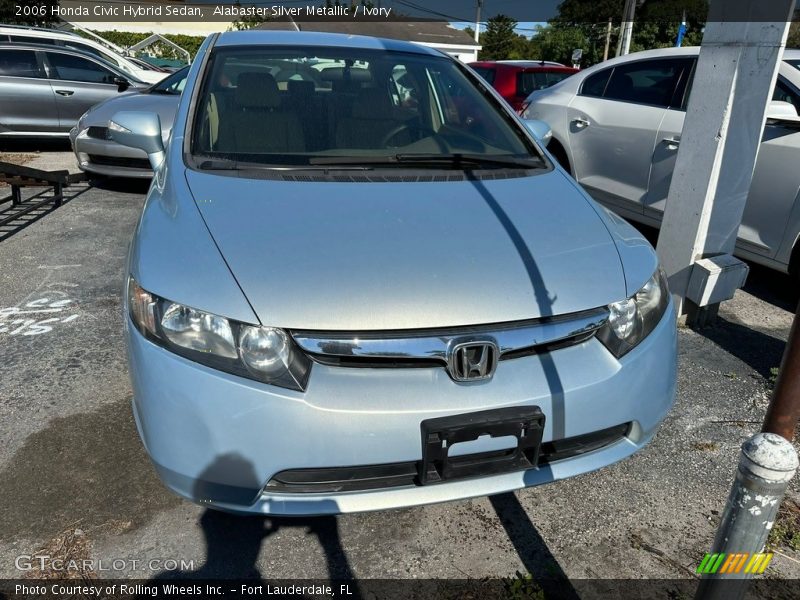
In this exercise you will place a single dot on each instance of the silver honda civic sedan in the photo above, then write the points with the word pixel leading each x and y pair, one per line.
pixel 347 296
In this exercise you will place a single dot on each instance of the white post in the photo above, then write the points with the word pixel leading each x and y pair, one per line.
pixel 734 77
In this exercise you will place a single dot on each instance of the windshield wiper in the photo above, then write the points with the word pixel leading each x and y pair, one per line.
pixel 465 161
pixel 473 160
pixel 227 164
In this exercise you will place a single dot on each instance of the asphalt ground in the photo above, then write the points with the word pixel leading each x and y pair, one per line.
pixel 75 479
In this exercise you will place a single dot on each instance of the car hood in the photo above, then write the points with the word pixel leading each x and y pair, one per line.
pixel 164 105
pixel 357 256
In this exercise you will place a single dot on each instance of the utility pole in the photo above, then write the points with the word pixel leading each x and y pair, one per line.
pixel 608 40
pixel 478 20
pixel 626 28
pixel 717 152
pixel 784 409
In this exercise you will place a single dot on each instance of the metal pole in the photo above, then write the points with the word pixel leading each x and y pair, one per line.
pixel 766 465
pixel 478 20
pixel 608 40
pixel 783 412
pixel 626 45
pixel 622 25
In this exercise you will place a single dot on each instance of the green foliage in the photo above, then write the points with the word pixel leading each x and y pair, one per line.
pixel 523 587
pixel 125 39
pixel 794 35
pixel 247 21
pixel 499 38
pixel 786 529
pixel 584 25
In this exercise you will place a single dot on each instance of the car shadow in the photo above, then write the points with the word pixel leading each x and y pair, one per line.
pixel 234 542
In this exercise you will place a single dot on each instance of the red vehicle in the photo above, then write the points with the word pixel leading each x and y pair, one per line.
pixel 516 79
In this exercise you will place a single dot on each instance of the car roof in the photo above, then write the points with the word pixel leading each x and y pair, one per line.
pixel 523 66
pixel 33 29
pixel 788 54
pixel 73 51
pixel 51 48
pixel 313 38
pixel 529 63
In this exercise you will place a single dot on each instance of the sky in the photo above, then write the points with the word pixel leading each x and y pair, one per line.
pixel 525 28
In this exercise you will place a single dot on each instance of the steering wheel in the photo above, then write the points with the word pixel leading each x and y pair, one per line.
pixel 403 127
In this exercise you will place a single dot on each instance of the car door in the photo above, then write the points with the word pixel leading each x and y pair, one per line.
pixel 772 190
pixel 612 125
pixel 668 141
pixel 79 83
pixel 27 103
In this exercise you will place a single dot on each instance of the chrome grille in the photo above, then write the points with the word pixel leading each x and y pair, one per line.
pixel 424 348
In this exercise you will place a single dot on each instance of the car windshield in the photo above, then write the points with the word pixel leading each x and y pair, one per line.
pixel 281 106
pixel 794 63
pixel 172 85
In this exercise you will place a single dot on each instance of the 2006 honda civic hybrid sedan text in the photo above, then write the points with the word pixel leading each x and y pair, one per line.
pixel 348 295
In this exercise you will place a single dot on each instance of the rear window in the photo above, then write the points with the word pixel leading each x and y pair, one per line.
pixel 487 73
pixel 595 84
pixel 530 81
pixel 786 93
pixel 645 82
pixel 19 63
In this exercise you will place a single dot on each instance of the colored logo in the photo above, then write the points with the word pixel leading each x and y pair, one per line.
pixel 731 563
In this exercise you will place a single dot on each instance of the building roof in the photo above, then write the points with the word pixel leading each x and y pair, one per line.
pixel 427 32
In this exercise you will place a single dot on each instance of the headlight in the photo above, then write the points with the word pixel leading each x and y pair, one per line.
pixel 262 353
pixel 632 320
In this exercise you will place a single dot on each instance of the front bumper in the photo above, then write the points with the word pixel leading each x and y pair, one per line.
pixel 218 439
pixel 108 158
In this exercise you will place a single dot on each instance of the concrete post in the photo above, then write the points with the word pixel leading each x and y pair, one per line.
pixel 733 82
pixel 766 465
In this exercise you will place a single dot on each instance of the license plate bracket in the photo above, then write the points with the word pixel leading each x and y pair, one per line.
pixel 526 423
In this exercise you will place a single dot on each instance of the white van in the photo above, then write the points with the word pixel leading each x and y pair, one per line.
pixel 38 35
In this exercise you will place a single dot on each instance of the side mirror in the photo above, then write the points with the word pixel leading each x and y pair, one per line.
pixel 540 130
pixel 778 109
pixel 140 130
pixel 121 83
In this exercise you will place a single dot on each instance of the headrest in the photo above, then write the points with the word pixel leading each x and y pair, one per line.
pixel 372 103
pixel 346 74
pixel 297 87
pixel 256 89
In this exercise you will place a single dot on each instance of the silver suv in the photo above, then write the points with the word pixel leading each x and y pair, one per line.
pixel 44 90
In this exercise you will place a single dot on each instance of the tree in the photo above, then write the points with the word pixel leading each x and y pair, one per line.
pixel 498 40
pixel 794 35
pixel 583 24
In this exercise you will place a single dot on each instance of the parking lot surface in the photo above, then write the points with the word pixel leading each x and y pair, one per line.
pixel 75 478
